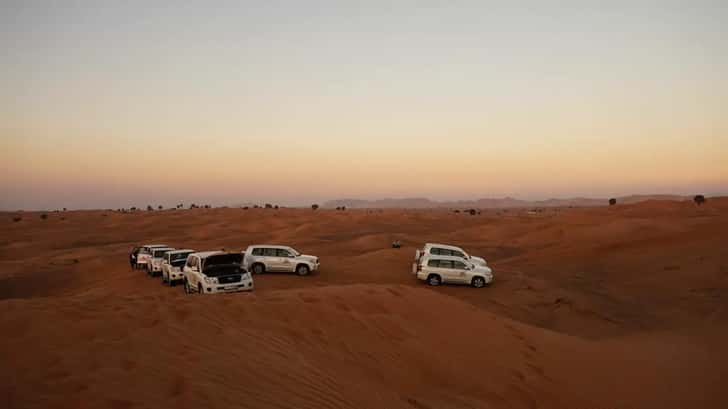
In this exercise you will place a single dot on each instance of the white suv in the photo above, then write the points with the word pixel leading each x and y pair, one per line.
pixel 212 272
pixel 145 252
pixel 172 266
pixel 448 250
pixel 437 269
pixel 154 261
pixel 260 258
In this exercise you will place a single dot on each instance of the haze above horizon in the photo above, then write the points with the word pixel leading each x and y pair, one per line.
pixel 118 104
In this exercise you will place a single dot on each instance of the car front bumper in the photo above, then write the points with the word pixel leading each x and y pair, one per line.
pixel 228 288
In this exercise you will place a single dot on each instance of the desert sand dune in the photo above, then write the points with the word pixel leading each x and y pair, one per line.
pixel 619 307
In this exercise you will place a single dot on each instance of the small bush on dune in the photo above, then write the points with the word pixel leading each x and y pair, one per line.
pixel 268 206
pixel 699 199
pixel 150 208
pixel 612 201
pixel 43 216
pixel 17 219
pixel 245 208
pixel 456 211
pixel 275 207
pixel 314 206
pixel 160 207
pixel 472 212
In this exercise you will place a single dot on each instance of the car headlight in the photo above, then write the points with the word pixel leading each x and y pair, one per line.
pixel 211 280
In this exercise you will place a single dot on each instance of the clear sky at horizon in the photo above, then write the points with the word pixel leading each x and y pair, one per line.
pixel 115 104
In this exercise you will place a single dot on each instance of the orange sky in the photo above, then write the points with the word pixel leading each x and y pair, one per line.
pixel 103 109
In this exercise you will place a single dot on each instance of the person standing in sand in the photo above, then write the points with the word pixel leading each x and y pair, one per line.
pixel 133 257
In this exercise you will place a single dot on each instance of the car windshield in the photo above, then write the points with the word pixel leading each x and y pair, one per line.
pixel 294 251
pixel 160 253
pixel 220 270
pixel 229 258
pixel 178 256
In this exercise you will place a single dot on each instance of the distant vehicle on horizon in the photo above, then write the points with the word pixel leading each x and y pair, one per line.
pixel 211 272
pixel 260 258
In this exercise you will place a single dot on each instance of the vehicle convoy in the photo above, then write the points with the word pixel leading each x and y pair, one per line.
pixel 172 265
pixel 437 269
pixel 212 272
pixel 448 250
pixel 261 258
pixel 145 252
pixel 154 262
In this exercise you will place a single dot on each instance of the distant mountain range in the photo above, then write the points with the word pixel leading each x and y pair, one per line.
pixel 493 203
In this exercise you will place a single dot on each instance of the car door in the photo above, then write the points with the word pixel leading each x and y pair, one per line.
pixel 271 260
pixel 446 271
pixel 285 260
pixel 194 268
pixel 459 272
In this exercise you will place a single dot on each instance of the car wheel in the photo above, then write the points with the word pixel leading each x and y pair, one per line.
pixel 258 268
pixel 302 270
pixel 172 283
pixel 199 289
pixel 478 282
pixel 434 279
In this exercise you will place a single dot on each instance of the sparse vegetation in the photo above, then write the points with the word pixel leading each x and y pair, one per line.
pixel 314 206
pixel 17 219
pixel 245 207
pixel 268 206
pixel 43 216
pixel 64 209
pixel 472 212
pixel 275 207
pixel 612 201
pixel 456 210
pixel 160 207
pixel 150 208
pixel 699 199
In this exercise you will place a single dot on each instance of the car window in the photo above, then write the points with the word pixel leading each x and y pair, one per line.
pixel 269 252
pixel 283 253
pixel 458 253
pixel 445 264
pixel 433 263
pixel 436 251
pixel 458 265
pixel 258 251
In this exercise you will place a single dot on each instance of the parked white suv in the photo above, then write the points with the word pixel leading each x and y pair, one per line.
pixel 448 250
pixel 154 262
pixel 145 252
pixel 436 269
pixel 260 258
pixel 172 265
pixel 212 272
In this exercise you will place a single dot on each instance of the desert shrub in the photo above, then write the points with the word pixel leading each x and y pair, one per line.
pixel 64 209
pixel 456 210
pixel 268 206
pixel 612 201
pixel 208 206
pixel 275 207
pixel 472 212
pixel 133 208
pixel 160 207
pixel 699 199
pixel 150 208
pixel 43 216
pixel 343 207
pixel 245 208
pixel 17 219
pixel 314 206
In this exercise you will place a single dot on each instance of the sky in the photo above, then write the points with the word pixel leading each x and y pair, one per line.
pixel 118 104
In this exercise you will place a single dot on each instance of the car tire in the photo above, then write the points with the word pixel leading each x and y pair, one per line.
pixel 478 282
pixel 258 268
pixel 302 270
pixel 199 289
pixel 434 280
